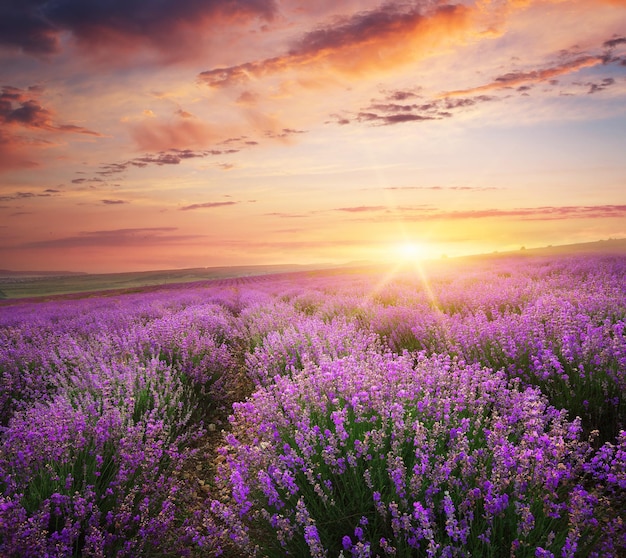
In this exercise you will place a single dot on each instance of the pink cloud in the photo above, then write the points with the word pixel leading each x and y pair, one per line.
pixel 21 108
pixel 514 79
pixel 207 205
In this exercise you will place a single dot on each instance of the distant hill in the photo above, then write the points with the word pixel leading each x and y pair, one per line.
pixel 11 273
pixel 37 284
pixel 610 246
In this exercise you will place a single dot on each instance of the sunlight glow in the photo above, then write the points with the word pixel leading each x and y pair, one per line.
pixel 410 252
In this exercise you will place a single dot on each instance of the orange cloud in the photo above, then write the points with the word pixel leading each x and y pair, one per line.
pixel 376 40
pixel 26 125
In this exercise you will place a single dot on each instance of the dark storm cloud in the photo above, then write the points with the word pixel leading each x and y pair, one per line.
pixel 34 26
pixel 23 26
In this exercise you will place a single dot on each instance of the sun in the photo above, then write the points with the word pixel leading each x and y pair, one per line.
pixel 409 252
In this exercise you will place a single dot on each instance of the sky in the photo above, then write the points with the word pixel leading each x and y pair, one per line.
pixel 143 134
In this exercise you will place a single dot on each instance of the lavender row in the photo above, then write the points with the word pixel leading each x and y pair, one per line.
pixel 102 401
pixel 387 457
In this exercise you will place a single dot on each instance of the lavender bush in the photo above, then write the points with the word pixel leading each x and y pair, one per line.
pixel 381 457
pixel 309 340
pixel 94 470
pixel 94 447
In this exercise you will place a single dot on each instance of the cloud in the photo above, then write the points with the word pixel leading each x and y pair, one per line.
pixel 402 106
pixel 514 79
pixel 28 195
pixel 362 208
pixel 173 157
pixel 387 119
pixel 548 213
pixel 20 108
pixel 139 237
pixel 400 95
pixel 207 205
pixel 282 215
pixel 36 26
pixel 86 180
pixel 242 141
pixel 461 188
pixel 612 43
pixel 391 35
pixel 600 86
pixel 23 121
pixel 113 202
pixel 385 112
pixel 17 196
pixel 284 133
pixel 169 157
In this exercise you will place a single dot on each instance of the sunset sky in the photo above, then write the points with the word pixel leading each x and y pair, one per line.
pixel 144 134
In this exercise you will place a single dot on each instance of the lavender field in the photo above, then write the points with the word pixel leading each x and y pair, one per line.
pixel 463 409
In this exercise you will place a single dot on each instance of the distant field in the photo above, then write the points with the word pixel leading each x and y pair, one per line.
pixel 17 286
pixel 20 286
